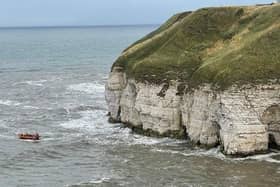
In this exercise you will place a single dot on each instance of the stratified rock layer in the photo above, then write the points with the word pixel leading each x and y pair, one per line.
pixel 241 120
pixel 116 86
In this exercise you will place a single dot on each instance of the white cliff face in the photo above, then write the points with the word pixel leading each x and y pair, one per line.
pixel 129 114
pixel 159 109
pixel 200 116
pixel 243 129
pixel 142 106
pixel 114 89
pixel 241 120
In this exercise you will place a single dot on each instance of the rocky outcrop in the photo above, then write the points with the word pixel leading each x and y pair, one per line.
pixel 243 120
pixel 159 109
pixel 143 106
pixel 200 110
pixel 114 89
pixel 212 75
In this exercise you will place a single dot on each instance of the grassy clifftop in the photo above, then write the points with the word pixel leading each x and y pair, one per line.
pixel 221 46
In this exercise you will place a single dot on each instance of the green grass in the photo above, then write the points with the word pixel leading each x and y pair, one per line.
pixel 220 46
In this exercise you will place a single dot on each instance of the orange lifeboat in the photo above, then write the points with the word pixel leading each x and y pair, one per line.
pixel 26 136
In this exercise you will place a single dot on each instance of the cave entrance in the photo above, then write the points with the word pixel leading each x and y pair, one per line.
pixel 271 117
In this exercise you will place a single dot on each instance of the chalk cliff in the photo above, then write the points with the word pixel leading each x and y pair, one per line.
pixel 210 75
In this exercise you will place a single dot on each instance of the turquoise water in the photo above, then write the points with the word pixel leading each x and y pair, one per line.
pixel 52 82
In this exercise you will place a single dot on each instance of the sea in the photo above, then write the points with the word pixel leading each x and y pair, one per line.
pixel 52 82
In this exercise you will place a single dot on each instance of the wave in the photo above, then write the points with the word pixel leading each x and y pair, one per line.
pixel 9 103
pixel 262 157
pixel 82 108
pixel 15 70
pixel 39 154
pixel 95 125
pixel 93 182
pixel 36 83
pixel 31 107
pixel 86 122
pixel 90 88
pixel 99 181
pixel 216 153
pixel 33 82
pixel 29 70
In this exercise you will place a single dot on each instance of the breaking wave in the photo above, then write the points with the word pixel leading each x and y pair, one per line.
pixel 216 153
pixel 36 83
pixel 33 82
pixel 9 103
pixel 263 157
pixel 31 107
pixel 90 88
pixel 93 182
pixel 94 123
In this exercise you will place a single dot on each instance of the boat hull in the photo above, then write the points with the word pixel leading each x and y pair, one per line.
pixel 28 137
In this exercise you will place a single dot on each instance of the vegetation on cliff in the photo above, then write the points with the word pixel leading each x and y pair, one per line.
pixel 220 46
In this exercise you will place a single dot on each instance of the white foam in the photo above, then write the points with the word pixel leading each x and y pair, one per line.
pixel 87 122
pixel 199 152
pixel 216 153
pixel 34 83
pixel 9 103
pixel 90 88
pixel 99 181
pixel 92 182
pixel 146 140
pixel 262 157
pixel 95 124
pixel 31 107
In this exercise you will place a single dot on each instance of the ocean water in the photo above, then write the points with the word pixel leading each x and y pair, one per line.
pixel 52 82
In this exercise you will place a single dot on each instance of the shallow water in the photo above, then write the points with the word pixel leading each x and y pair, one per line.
pixel 52 82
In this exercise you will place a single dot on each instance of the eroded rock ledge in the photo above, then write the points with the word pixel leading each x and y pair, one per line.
pixel 243 120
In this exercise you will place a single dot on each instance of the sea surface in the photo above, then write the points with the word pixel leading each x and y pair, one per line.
pixel 52 82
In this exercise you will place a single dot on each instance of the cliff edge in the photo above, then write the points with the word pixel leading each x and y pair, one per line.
pixel 211 75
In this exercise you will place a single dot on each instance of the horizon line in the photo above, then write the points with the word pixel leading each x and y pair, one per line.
pixel 76 26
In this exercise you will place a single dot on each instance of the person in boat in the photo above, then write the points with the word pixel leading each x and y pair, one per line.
pixel 37 136
pixel 27 136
